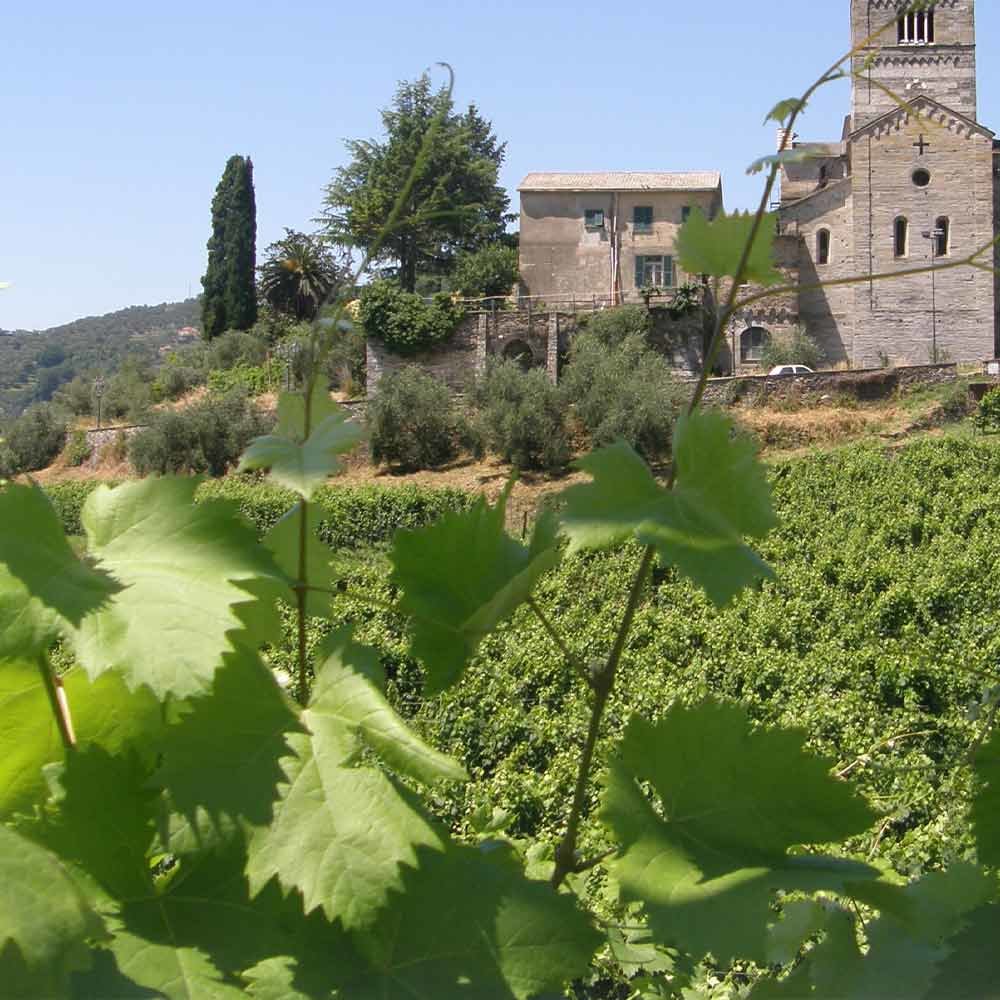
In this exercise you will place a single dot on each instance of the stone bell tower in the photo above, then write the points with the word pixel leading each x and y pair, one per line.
pixel 931 53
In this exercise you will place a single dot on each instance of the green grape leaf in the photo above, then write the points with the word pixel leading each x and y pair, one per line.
pixel 211 765
pixel 800 920
pixel 986 806
pixel 104 713
pixel 303 463
pixel 734 801
pixel 717 247
pixel 466 925
pixel 42 582
pixel 970 970
pixel 181 565
pixel 784 110
pixel 781 159
pixel 721 495
pixel 45 921
pixel 342 830
pixel 460 578
pixel 283 542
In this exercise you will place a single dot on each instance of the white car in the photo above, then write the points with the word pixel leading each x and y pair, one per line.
pixel 790 370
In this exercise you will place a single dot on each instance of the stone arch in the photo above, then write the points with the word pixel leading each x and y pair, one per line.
pixel 753 340
pixel 520 352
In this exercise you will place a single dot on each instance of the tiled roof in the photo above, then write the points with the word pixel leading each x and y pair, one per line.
pixel 703 180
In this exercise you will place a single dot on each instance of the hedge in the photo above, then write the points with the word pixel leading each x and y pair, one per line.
pixel 353 516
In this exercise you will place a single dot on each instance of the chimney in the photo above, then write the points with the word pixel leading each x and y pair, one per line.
pixel 782 133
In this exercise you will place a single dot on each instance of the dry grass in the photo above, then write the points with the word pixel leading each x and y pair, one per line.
pixel 819 426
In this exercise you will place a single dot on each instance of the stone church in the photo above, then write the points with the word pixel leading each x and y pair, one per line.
pixel 913 181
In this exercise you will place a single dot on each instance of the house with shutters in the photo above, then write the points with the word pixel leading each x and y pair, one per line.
pixel 605 237
pixel 912 184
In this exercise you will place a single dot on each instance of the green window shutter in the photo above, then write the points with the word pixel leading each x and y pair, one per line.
pixel 668 271
pixel 640 271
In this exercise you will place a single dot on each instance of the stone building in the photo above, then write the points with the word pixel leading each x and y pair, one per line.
pixel 602 237
pixel 913 181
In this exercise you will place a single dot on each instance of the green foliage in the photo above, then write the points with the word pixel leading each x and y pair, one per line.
pixel 481 577
pixel 404 321
pixel 32 441
pixel 302 452
pixel 446 165
pixel 612 327
pixel 619 388
pixel 988 414
pixel 490 270
pixel 413 421
pixel 77 449
pixel 252 379
pixel 716 247
pixel 206 436
pixel 796 348
pixel 230 295
pixel 520 416
pixel 346 362
pixel 298 274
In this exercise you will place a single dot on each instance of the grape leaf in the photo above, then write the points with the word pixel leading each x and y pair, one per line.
pixel 222 769
pixel 303 465
pixel 181 565
pixel 717 247
pixel 104 712
pixel 721 495
pixel 970 971
pixel 986 806
pixel 466 925
pixel 734 802
pixel 784 110
pixel 42 582
pixel 45 921
pixel 341 830
pixel 283 542
pixel 460 578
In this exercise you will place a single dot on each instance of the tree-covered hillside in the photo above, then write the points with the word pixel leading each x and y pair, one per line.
pixel 34 364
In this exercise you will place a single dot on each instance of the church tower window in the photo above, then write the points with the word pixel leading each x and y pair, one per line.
pixel 916 28
pixel 901 237
pixel 942 237
pixel 823 246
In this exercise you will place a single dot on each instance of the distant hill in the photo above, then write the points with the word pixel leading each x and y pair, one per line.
pixel 33 365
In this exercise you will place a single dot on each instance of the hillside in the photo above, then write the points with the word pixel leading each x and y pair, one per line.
pixel 34 364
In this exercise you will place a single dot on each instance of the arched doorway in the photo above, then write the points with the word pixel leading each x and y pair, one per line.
pixel 520 352
pixel 753 340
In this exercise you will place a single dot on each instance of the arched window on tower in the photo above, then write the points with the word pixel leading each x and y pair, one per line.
pixel 752 343
pixel 942 237
pixel 823 246
pixel 916 28
pixel 901 237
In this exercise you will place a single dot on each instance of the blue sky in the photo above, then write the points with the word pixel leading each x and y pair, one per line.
pixel 118 117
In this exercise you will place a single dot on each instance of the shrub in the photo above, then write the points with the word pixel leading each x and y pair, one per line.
pixel 988 414
pixel 128 394
pixel 237 347
pixel 404 322
pixel 623 391
pixel 77 396
pixel 612 326
pixel 175 379
pixel 346 361
pixel 413 421
pixel 795 348
pixel 77 449
pixel 521 416
pixel 253 379
pixel 491 270
pixel 32 441
pixel 208 436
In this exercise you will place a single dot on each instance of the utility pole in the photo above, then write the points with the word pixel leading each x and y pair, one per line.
pixel 933 235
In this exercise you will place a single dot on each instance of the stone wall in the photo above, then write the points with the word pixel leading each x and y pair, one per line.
pixel 98 440
pixel 875 383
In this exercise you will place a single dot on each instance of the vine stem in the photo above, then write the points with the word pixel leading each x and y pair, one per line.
pixel 603 683
pixel 58 701
pixel 303 587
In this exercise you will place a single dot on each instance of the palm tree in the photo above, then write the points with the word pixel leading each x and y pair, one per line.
pixel 298 274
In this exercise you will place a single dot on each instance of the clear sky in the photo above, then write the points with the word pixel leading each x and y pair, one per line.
pixel 117 118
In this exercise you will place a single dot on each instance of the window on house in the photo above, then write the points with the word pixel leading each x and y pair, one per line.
pixel 942 237
pixel 916 28
pixel 685 213
pixel 752 343
pixel 824 175
pixel 823 246
pixel 642 218
pixel 594 218
pixel 654 272
pixel 901 237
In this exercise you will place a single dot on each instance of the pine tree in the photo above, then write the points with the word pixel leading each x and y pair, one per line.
pixel 230 299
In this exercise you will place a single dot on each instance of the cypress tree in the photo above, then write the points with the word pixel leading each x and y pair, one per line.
pixel 230 298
